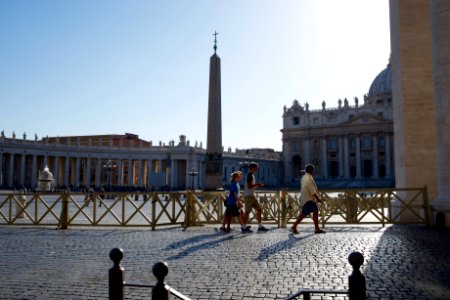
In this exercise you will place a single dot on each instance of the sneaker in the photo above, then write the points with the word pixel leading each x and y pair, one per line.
pixel 294 230
pixel 222 229
pixel 262 228
pixel 246 230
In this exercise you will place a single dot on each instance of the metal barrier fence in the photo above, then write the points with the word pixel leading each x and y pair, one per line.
pixel 380 206
pixel 356 283
pixel 160 291
pixel 117 284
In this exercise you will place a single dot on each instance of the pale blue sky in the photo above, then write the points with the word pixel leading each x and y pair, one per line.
pixel 91 67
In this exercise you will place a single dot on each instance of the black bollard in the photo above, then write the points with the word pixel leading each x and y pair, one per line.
pixel 159 292
pixel 116 283
pixel 356 281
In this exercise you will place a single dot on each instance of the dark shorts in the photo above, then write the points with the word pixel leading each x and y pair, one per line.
pixel 309 207
pixel 232 210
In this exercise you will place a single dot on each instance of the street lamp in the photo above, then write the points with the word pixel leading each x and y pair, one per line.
pixel 193 173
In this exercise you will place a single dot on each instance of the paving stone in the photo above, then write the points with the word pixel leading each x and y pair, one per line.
pixel 401 262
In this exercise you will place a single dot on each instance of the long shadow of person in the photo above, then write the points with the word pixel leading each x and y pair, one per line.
pixel 280 246
pixel 201 246
pixel 188 241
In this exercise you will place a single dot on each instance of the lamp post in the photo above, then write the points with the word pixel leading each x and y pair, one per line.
pixel 193 173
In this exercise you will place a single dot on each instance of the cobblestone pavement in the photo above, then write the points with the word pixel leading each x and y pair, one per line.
pixel 402 262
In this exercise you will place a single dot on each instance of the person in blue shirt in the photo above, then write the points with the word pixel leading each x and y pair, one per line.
pixel 233 202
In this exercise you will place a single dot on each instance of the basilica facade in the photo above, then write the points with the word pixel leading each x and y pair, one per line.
pixel 350 145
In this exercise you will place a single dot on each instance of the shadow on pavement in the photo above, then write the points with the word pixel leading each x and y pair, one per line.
pixel 202 246
pixel 188 241
pixel 265 253
pixel 409 262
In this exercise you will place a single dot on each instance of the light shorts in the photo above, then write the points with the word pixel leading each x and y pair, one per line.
pixel 250 203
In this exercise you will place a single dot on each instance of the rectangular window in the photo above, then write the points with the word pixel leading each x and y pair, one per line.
pixel 295 147
pixel 296 120
pixel 367 144
pixel 332 144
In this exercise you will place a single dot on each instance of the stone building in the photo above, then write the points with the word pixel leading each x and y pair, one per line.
pixel 351 145
pixel 118 162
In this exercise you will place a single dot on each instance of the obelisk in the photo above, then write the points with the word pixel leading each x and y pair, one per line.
pixel 213 160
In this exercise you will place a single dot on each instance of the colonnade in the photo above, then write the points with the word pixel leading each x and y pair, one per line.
pixel 342 156
pixel 379 154
pixel 21 170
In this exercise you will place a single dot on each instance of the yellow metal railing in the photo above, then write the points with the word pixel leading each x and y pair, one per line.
pixel 378 206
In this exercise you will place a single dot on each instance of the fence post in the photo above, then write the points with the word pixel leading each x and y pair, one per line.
pixel 283 223
pixel 64 217
pixel 356 281
pixel 159 292
pixel 154 198
pixel 426 206
pixel 189 217
pixel 116 283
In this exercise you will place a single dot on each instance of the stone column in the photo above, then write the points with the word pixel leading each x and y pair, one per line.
pixel 341 156
pixel 376 174
pixel 188 169
pixel 119 172
pixel 172 173
pixel 140 173
pixel 306 152
pixel 11 170
pixel 287 160
pixel 130 172
pixel 66 171
pixel 346 162
pixel 412 91
pixel 387 155
pixel 98 173
pixel 77 172
pixel 33 171
pixel 358 156
pixel 22 170
pixel 1 170
pixel 149 170
pixel 199 179
pixel 56 171
pixel 440 24
pixel 88 172
pixel 324 157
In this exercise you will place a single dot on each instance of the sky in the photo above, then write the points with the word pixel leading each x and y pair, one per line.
pixel 91 67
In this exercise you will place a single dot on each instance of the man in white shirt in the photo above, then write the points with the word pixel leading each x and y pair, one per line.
pixel 308 195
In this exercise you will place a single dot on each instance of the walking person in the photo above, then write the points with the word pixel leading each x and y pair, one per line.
pixel 250 200
pixel 234 203
pixel 222 228
pixel 308 193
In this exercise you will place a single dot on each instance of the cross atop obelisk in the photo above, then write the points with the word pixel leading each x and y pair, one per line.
pixel 213 160
pixel 215 40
